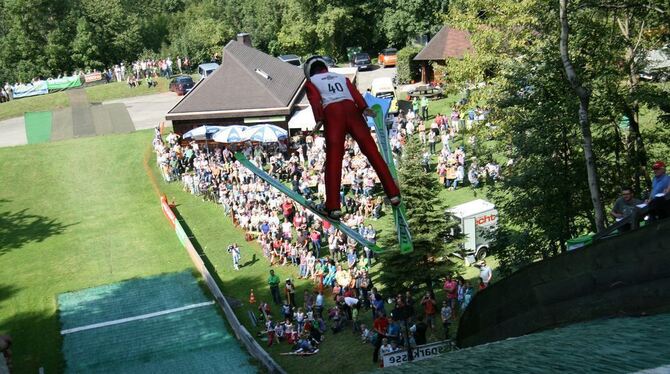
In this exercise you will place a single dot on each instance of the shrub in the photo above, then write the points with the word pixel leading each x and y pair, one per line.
pixel 408 69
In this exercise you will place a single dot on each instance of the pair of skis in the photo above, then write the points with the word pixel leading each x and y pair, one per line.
pixel 402 229
pixel 399 213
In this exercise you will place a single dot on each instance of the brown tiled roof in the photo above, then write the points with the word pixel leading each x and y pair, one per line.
pixel 239 87
pixel 446 43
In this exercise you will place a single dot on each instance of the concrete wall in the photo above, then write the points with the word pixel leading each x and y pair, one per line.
pixel 626 275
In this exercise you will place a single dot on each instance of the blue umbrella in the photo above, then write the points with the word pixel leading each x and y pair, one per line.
pixel 266 133
pixel 231 134
pixel 202 133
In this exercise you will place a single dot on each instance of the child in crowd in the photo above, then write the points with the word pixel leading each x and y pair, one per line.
pixel 446 314
pixel 366 334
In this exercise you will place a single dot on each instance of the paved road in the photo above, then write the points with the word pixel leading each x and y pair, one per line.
pixel 364 78
pixel 145 111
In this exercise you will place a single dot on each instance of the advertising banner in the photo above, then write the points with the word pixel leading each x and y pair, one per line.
pixel 30 89
pixel 169 214
pixel 63 83
pixel 421 352
pixel 181 235
pixel 93 77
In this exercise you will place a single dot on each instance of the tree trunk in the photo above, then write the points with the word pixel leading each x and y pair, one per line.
pixel 632 109
pixel 584 98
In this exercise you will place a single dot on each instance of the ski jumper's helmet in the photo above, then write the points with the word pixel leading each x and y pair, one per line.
pixel 313 62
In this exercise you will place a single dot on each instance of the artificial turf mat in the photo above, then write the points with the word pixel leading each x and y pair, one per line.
pixel 38 127
pixel 187 341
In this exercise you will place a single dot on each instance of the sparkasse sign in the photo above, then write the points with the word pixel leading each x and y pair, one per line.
pixel 421 352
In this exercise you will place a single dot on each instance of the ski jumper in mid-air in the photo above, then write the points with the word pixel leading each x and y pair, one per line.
pixel 338 104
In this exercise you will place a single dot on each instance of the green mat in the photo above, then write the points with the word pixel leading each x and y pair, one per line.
pixel 186 341
pixel 38 127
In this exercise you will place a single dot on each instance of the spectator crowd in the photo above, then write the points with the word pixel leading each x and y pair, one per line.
pixel 291 236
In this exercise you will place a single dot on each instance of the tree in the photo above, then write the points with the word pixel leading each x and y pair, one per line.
pixel 430 261
pixel 584 96
pixel 544 198
pixel 85 53
pixel 405 20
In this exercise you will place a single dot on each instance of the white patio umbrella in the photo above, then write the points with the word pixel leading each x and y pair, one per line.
pixel 266 133
pixel 202 133
pixel 231 134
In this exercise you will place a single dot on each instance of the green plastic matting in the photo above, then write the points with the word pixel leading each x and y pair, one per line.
pixel 38 127
pixel 162 324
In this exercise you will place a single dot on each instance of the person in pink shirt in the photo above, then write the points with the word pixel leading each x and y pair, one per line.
pixel 316 242
pixel 451 289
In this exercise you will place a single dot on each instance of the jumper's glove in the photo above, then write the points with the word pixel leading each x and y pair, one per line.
pixel 319 125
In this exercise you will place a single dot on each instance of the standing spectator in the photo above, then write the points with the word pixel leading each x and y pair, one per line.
pixel 234 250
pixel 381 325
pixel 421 129
pixel 485 273
pixel 179 65
pixel 432 139
pixel 273 282
pixel 424 107
pixel 451 289
pixel 415 105
pixel 290 293
pixel 315 236
pixel 168 64
pixel 473 176
pixel 429 309
pixel 9 90
pixel 319 304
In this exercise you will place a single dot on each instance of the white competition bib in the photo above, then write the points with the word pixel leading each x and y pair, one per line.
pixel 332 87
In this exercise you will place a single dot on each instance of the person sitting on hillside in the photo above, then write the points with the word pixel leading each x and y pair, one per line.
pixel 625 205
pixel 660 187
pixel 151 82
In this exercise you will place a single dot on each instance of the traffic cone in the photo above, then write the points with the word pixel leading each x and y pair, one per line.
pixel 252 298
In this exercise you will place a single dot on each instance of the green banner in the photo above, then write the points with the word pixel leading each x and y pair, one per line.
pixel 181 234
pixel 63 83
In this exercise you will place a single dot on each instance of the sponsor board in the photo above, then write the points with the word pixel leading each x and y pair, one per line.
pixel 421 352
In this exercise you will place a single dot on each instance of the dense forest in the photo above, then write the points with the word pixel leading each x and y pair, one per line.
pixel 49 37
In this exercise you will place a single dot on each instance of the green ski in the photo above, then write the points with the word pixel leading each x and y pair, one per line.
pixel 402 228
pixel 348 231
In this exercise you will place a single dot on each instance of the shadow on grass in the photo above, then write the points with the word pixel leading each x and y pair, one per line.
pixel 21 227
pixel 36 341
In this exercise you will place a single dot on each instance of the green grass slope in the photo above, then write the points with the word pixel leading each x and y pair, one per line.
pixel 73 214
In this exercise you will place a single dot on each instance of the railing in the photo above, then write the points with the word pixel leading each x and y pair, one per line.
pixel 240 331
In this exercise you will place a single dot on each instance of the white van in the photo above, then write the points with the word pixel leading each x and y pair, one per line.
pixel 478 219
pixel 384 88
pixel 205 70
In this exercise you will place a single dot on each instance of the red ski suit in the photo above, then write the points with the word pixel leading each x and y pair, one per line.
pixel 341 107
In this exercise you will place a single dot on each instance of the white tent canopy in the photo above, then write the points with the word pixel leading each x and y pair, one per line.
pixel 302 120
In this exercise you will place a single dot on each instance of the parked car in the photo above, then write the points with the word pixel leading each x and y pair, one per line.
pixel 181 84
pixel 388 57
pixel 205 70
pixel 330 61
pixel 362 61
pixel 291 59
pixel 428 91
